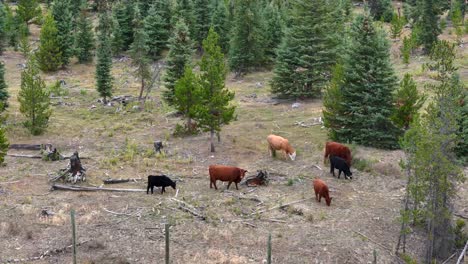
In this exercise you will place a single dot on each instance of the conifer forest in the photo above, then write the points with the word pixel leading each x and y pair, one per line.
pixel 233 131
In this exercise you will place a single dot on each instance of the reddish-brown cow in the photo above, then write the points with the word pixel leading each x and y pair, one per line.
pixel 321 190
pixel 279 143
pixel 337 149
pixel 225 173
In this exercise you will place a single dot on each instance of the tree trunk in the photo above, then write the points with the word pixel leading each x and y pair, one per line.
pixel 211 140
pixel 219 136
pixel 189 124
pixel 142 89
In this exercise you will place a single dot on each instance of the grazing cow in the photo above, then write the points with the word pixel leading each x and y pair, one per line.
pixel 159 181
pixel 341 165
pixel 337 149
pixel 321 190
pixel 225 173
pixel 279 143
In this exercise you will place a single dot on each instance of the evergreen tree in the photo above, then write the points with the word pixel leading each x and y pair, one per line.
pixel 368 84
pixel 3 32
pixel 215 109
pixel 62 13
pixel 462 146
pixel 12 27
pixel 184 10
pixel 3 144
pixel 408 102
pixel 381 9
pixel 123 26
pixel 187 95
pixel 163 8
pixel 104 57
pixel 34 99
pixel 180 55
pixel 273 31
pixel 308 50
pixel 202 10
pixel 144 6
pixel 84 40
pixel 332 101
pixel 139 52
pixel 220 23
pixel 246 45
pixel 156 30
pixel 428 23
pixel 396 26
pixel 3 88
pixel 49 55
pixel 28 10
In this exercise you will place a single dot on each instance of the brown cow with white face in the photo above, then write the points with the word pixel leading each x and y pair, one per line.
pixel 225 173
pixel 279 143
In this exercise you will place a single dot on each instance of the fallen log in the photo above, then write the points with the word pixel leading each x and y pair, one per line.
pixel 62 187
pixel 279 206
pixel 112 181
pixel 186 207
pixel 28 146
pixel 25 156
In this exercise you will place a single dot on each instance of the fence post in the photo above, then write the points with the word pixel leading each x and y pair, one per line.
pixel 72 214
pixel 269 249
pixel 167 242
pixel 375 256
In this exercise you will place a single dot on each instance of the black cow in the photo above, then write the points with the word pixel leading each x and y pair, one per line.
pixel 159 181
pixel 341 165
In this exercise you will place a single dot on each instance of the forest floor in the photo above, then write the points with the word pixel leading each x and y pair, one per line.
pixel 129 227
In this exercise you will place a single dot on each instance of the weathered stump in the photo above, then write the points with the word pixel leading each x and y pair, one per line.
pixel 74 172
pixel 158 146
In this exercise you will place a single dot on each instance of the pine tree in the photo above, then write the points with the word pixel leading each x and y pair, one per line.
pixel 12 27
pixel 123 13
pixel 462 146
pixel 396 26
pixel 428 23
pixel 220 23
pixel 84 40
pixel 187 95
pixel 163 8
pixel 3 144
pixel 139 52
pixel 184 10
pixel 28 10
pixel 273 31
pixel 3 88
pixel 62 13
pixel 215 109
pixel 332 101
pixel 408 102
pixel 3 32
pixel 202 10
pixel 381 9
pixel 368 84
pixel 34 99
pixel 104 57
pixel 155 28
pixel 308 50
pixel 49 55
pixel 246 45
pixel 180 55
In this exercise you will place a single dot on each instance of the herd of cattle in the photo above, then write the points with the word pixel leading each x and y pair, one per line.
pixel 338 154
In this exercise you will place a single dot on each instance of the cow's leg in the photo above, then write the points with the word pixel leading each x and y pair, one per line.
pixel 339 173
pixel 320 197
pixel 316 196
pixel 211 184
pixel 162 190
pixel 237 188
pixel 229 184
pixel 152 188
pixel 147 189
pixel 214 183
pixel 332 170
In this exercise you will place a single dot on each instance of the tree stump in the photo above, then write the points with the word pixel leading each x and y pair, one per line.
pixel 260 179
pixel 158 145
pixel 74 172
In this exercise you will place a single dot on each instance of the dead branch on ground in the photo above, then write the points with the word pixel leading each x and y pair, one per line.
pixel 189 208
pixel 62 187
pixel 279 206
pixel 112 181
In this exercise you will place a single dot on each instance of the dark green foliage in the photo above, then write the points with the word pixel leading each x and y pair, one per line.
pixel 3 32
pixel 84 38
pixel 139 51
pixel 397 24
pixel 157 32
pixel 34 99
pixel 462 147
pixel 180 55
pixel 184 10
pixel 62 13
pixel 202 10
pixel 49 55
pixel 187 96
pixel 122 38
pixel 13 27
pixel 428 24
pixel 215 109
pixel 381 9
pixel 407 102
pixel 308 50
pixel 3 88
pixel 273 31
pixel 220 23
pixel 406 50
pixel 367 89
pixel 163 8
pixel 104 57
pixel 332 101
pixel 246 48
pixel 28 10
pixel 3 144
pixel 460 237
pixel 144 6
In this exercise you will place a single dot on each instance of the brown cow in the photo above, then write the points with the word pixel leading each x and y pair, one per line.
pixel 339 150
pixel 321 190
pixel 225 173
pixel 280 143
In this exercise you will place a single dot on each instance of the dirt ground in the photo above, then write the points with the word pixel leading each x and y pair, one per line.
pixel 120 227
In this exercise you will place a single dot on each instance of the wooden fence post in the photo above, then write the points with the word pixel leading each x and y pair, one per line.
pixel 167 242
pixel 72 214
pixel 269 249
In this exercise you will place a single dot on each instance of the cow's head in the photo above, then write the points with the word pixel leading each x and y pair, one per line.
pixel 292 156
pixel 242 173
pixel 328 201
